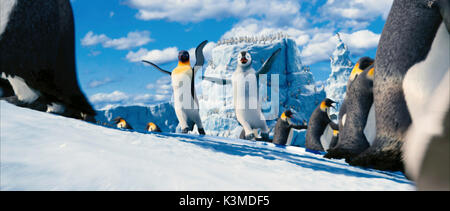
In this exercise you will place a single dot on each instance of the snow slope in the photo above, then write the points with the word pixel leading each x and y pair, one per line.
pixel 41 151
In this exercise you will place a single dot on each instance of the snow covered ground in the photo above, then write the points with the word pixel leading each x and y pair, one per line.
pixel 41 151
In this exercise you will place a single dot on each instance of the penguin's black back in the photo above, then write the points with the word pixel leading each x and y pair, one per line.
pixel 405 41
pixel 318 122
pixel 281 133
pixel 38 46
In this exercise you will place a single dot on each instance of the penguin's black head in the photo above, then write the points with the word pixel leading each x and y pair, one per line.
pixel 365 62
pixel 118 119
pixel 183 56
pixel 329 102
pixel 288 113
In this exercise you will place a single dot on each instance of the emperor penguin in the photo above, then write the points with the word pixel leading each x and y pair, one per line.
pixel 318 122
pixel 121 123
pixel 245 94
pixel 152 127
pixel 183 84
pixel 37 57
pixel 359 68
pixel 358 102
pixel 427 143
pixel 284 126
pixel 406 40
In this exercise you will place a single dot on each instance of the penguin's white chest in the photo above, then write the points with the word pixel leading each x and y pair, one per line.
pixel 245 90
pixel 23 92
pixel 423 78
pixel 427 91
pixel 181 84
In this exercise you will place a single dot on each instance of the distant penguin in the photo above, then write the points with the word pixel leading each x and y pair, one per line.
pixel 245 94
pixel 318 122
pixel 37 57
pixel 405 41
pixel 185 98
pixel 283 128
pixel 358 101
pixel 334 139
pixel 121 123
pixel 152 127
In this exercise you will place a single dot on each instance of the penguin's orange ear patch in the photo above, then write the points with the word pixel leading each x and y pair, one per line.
pixel 370 74
pixel 151 126
pixel 283 116
pixel 323 106
pixel 335 132
pixel 355 72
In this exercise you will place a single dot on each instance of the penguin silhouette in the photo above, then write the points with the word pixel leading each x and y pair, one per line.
pixel 37 57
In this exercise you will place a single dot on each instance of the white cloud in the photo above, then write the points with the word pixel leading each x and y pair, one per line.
pixel 98 83
pixel 114 97
pixel 132 40
pixel 155 56
pixel 357 9
pixel 166 55
pixel 198 10
pixel 322 45
pixel 92 39
pixel 117 98
pixel 163 86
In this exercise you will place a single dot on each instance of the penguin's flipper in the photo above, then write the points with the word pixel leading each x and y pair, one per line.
pixel 199 57
pixel 268 64
pixel 158 68
pixel 334 126
pixel 217 80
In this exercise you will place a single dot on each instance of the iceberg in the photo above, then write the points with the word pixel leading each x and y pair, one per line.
pixel 297 89
pixel 341 68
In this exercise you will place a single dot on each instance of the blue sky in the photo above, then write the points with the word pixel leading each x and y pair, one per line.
pixel 113 35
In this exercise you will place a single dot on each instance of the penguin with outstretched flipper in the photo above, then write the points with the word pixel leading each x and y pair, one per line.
pixel 183 84
pixel 249 116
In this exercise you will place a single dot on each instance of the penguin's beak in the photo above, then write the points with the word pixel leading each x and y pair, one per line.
pixel 244 60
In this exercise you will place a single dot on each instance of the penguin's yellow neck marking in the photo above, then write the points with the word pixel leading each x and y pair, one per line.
pixel 335 132
pixel 151 126
pixel 355 72
pixel 182 67
pixel 122 124
pixel 370 73
pixel 283 117
pixel 323 106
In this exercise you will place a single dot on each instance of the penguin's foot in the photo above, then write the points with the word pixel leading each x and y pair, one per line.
pixel 339 153
pixel 385 160
pixel 38 104
pixel 185 131
pixel 201 131
pixel 250 136
pixel 264 137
